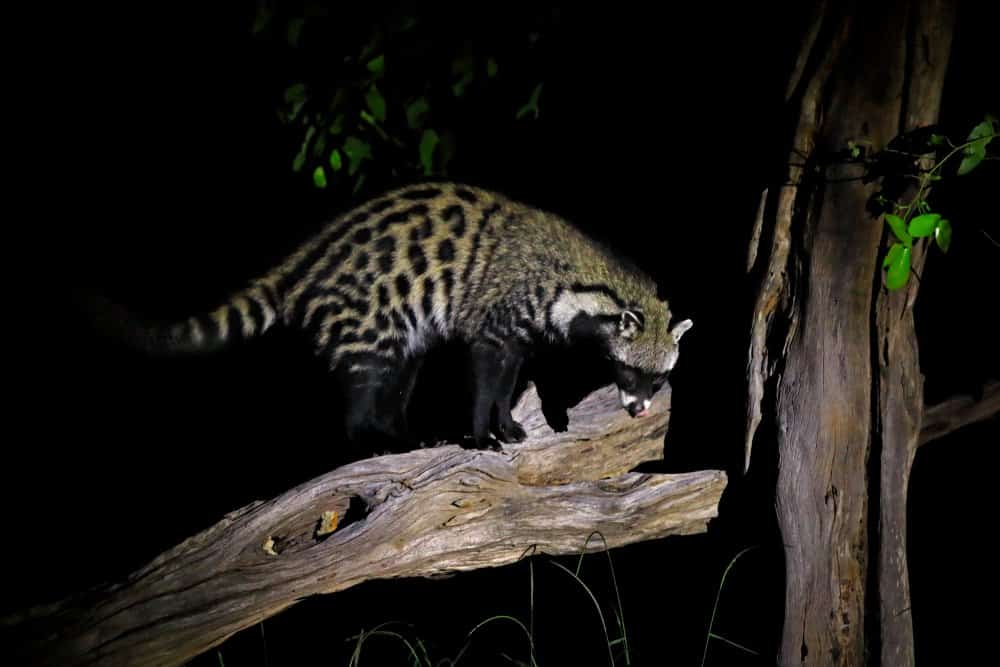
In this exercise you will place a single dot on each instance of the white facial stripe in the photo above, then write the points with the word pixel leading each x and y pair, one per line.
pixel 671 360
pixel 627 399
pixel 570 304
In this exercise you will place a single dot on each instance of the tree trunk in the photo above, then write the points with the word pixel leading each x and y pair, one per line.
pixel 416 514
pixel 900 384
pixel 833 356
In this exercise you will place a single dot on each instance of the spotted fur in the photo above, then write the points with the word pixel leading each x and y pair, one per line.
pixel 381 284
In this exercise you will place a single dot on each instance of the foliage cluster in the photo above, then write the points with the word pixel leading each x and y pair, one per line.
pixel 392 101
pixel 918 159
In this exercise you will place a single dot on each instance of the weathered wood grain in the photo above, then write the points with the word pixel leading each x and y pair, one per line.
pixel 833 361
pixel 958 411
pixel 900 383
pixel 421 513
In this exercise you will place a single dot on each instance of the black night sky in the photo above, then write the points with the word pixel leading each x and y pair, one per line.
pixel 150 162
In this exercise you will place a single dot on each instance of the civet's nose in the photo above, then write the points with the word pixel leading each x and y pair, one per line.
pixel 638 408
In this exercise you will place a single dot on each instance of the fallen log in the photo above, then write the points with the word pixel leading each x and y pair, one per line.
pixel 421 513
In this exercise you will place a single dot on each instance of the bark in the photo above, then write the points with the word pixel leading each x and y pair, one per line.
pixel 958 411
pixel 832 356
pixel 771 301
pixel 900 383
pixel 823 259
pixel 422 513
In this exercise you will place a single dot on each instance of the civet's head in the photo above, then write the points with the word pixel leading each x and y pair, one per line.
pixel 643 351
pixel 635 337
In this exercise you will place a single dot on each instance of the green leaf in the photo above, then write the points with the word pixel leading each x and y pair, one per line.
pixel 984 130
pixel 402 24
pixel 416 111
pixel 357 185
pixel 376 102
pixel 942 234
pixel 370 47
pixel 296 91
pixel 295 96
pixel 899 270
pixel 336 162
pixel 532 104
pixel 491 68
pixel 937 140
pixel 319 146
pixel 458 88
pixel 923 225
pixel 377 65
pixel 262 18
pixel 974 154
pixel 357 151
pixel 893 255
pixel 319 177
pixel 463 65
pixel 300 158
pixel 337 126
pixel 340 98
pixel 428 142
pixel 295 30
pixel 899 228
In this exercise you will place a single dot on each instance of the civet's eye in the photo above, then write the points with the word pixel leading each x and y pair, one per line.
pixel 628 380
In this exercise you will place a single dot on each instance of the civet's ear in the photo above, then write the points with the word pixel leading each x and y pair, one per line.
pixel 630 324
pixel 680 328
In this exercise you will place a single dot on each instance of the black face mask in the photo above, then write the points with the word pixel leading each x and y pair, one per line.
pixel 638 385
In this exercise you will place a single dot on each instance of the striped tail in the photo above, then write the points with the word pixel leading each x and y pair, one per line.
pixel 248 313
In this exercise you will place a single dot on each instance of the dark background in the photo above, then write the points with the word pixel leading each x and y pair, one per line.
pixel 153 166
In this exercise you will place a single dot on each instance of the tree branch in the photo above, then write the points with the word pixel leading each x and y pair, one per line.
pixel 958 411
pixel 416 514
